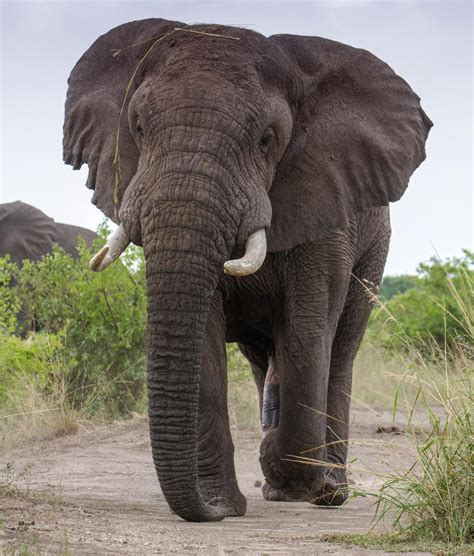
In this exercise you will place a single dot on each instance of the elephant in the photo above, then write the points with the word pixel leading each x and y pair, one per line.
pixel 256 173
pixel 27 233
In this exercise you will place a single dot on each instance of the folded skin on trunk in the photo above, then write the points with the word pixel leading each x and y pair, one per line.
pixel 182 273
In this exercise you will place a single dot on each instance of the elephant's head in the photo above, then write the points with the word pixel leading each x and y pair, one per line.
pixel 205 139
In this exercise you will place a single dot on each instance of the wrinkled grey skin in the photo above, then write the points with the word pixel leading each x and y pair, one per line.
pixel 305 137
pixel 27 233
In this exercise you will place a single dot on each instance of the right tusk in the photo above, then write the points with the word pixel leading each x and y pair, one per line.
pixel 111 251
pixel 255 252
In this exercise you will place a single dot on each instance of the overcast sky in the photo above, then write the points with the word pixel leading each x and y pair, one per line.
pixel 428 43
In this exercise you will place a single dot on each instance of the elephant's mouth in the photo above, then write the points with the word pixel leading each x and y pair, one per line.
pixel 249 263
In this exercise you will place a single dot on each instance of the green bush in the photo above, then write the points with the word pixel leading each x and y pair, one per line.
pixel 394 285
pixel 9 302
pixel 100 318
pixel 35 393
pixel 238 368
pixel 428 312
pixel 26 359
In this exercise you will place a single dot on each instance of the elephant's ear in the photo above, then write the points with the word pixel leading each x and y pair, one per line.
pixel 25 232
pixel 359 133
pixel 97 89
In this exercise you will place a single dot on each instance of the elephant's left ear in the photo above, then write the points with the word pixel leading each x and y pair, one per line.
pixel 359 133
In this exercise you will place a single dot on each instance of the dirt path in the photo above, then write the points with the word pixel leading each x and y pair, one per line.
pixel 96 493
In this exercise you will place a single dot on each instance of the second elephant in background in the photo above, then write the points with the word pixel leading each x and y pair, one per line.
pixel 28 233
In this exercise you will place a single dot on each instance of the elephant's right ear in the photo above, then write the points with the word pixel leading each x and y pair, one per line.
pixel 97 89
pixel 359 133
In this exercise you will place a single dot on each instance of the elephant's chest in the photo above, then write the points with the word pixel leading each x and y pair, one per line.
pixel 250 309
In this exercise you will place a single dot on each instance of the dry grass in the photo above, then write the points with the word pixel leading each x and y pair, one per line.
pixel 376 377
pixel 30 414
pixel 32 417
pixel 431 500
pixel 244 412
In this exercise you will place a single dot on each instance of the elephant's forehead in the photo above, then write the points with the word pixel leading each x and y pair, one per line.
pixel 206 84
pixel 212 65
pixel 214 49
pixel 204 81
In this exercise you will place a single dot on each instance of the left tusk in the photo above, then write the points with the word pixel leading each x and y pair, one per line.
pixel 255 252
pixel 111 251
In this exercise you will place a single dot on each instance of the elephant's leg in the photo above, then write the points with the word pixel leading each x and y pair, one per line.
pixel 364 283
pixel 258 358
pixel 217 479
pixel 302 421
pixel 270 410
pixel 262 361
pixel 303 339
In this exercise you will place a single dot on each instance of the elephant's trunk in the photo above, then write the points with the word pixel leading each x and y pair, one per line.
pixel 188 226
pixel 182 273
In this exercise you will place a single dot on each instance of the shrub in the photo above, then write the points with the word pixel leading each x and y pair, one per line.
pixel 34 396
pixel 429 313
pixel 9 302
pixel 27 358
pixel 394 285
pixel 100 318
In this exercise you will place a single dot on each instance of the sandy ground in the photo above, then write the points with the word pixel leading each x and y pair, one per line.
pixel 96 493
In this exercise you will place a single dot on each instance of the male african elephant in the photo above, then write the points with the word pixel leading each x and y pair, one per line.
pixel 27 233
pixel 256 172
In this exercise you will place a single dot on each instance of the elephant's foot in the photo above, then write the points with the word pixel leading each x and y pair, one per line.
pixel 291 481
pixel 329 494
pixel 332 491
pixel 233 504
pixel 293 494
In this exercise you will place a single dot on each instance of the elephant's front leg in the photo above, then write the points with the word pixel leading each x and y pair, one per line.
pixel 303 369
pixel 303 343
pixel 217 479
pixel 366 278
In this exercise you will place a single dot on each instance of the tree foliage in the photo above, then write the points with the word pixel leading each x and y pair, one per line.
pixel 394 285
pixel 98 317
pixel 434 310
pixel 9 302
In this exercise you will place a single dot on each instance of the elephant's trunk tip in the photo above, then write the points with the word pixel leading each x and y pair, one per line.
pixel 111 251
pixel 254 256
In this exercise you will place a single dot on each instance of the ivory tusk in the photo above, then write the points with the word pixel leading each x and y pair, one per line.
pixel 111 251
pixel 255 252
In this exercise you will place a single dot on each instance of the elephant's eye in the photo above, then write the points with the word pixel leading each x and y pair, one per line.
pixel 266 141
pixel 139 130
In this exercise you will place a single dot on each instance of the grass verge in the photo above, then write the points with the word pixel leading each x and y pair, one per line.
pixel 429 504
pixel 396 542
